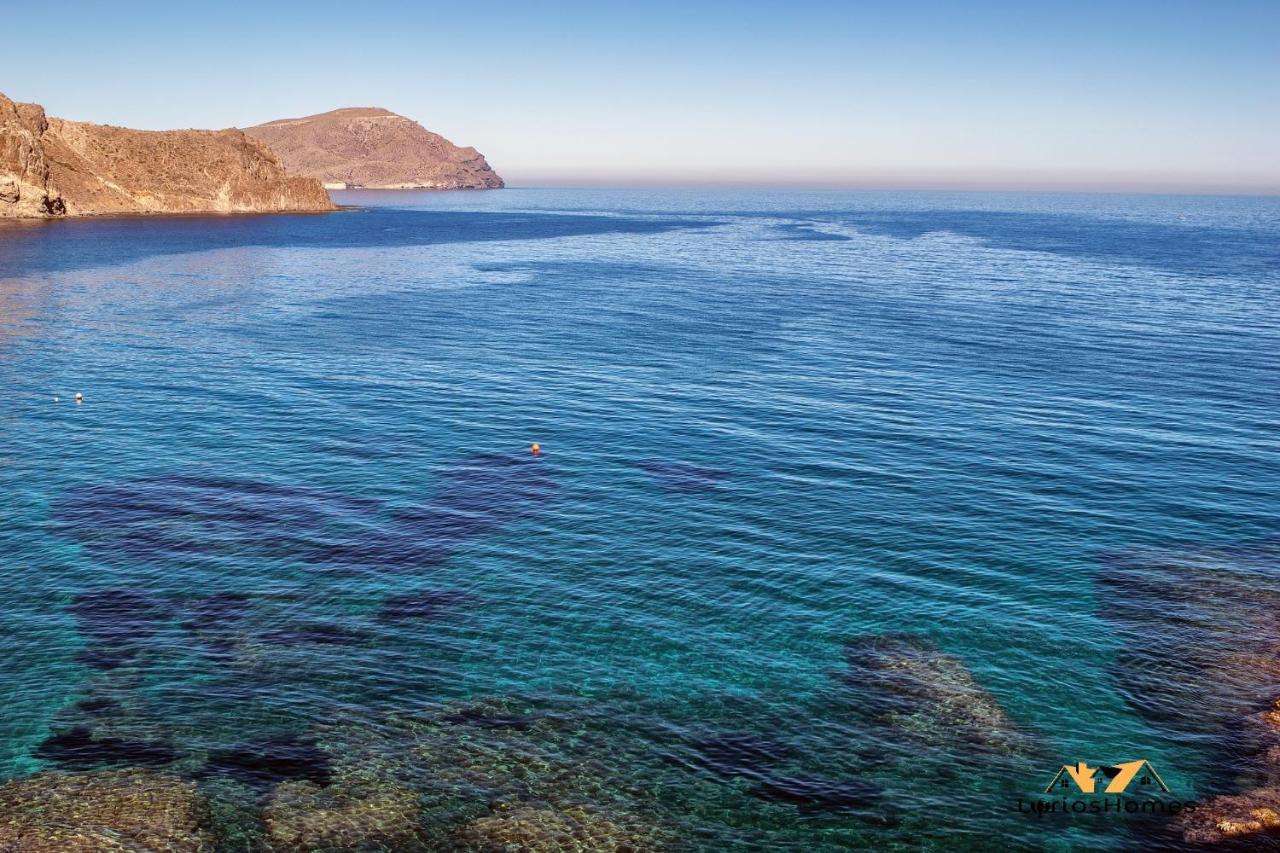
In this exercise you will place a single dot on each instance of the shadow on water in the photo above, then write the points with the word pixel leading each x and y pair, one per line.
pixel 80 244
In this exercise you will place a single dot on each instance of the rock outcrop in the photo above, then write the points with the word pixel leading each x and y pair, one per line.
pixel 374 148
pixel 52 167
pixel 918 691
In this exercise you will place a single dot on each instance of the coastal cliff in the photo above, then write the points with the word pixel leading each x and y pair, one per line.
pixel 51 167
pixel 374 148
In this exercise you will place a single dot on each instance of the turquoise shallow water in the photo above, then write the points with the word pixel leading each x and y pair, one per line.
pixel 1012 437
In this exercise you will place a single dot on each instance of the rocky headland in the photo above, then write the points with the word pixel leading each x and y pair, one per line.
pixel 51 167
pixel 373 148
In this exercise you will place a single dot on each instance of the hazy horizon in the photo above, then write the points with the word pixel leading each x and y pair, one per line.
pixel 1140 97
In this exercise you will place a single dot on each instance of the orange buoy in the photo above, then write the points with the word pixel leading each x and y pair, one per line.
pixel 535 449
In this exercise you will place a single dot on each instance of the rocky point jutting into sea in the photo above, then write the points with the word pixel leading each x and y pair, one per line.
pixel 52 167
pixel 374 148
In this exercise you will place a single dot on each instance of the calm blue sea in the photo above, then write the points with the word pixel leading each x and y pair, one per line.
pixel 857 514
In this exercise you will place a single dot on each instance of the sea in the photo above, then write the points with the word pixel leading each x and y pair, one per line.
pixel 856 516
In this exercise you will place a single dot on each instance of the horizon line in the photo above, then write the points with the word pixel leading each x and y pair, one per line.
pixel 1266 191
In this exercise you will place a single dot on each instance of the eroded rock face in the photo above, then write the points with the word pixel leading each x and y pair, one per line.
pixel 54 167
pixel 374 148
pixel 122 810
pixel 24 171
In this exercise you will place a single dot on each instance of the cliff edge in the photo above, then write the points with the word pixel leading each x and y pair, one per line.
pixel 51 167
pixel 374 148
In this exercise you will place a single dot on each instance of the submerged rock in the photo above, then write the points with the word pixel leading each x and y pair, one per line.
pixel 125 810
pixel 544 830
pixel 910 685
pixel 1200 630
pixel 1251 818
pixel 302 816
pixel 1201 661
pixel 466 760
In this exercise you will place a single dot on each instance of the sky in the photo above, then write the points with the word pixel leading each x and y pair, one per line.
pixel 1037 94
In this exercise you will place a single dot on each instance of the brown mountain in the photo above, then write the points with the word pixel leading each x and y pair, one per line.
pixel 52 167
pixel 374 148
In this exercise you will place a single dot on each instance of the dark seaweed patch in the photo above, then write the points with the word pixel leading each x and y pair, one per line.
pixel 320 633
pixel 215 620
pixel 265 762
pixel 733 755
pixel 420 606
pixel 476 496
pixel 486 717
pixel 190 515
pixel 106 658
pixel 116 623
pixel 221 611
pixel 681 476
pixel 117 615
pixel 77 749
pixel 748 756
pixel 813 795
pixel 97 705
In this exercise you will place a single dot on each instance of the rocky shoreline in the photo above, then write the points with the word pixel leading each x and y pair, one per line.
pixel 52 168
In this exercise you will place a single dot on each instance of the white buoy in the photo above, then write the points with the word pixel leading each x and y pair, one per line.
pixel 79 397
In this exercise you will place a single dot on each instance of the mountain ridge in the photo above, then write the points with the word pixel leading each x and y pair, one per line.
pixel 374 148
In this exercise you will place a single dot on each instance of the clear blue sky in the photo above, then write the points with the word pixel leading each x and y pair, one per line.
pixel 1160 95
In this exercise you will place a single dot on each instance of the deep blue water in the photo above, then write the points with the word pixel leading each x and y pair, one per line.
pixel 826 478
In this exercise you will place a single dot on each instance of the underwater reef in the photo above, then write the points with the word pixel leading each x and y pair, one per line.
pixel 909 686
pixel 124 810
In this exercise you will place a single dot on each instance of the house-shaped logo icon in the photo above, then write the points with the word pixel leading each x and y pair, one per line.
pixel 1118 777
